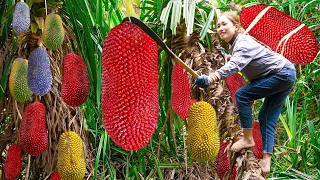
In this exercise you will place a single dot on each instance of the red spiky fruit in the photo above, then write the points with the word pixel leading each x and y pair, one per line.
pixel 235 82
pixel 75 86
pixel 12 166
pixel 130 86
pixel 223 161
pixel 181 94
pixel 301 48
pixel 55 175
pixel 33 130
pixel 257 149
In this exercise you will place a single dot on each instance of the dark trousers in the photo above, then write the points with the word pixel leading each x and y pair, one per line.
pixel 274 88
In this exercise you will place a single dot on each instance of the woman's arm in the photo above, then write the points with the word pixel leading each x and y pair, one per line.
pixel 240 59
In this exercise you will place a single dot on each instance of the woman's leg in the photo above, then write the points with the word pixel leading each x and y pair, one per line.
pixel 268 118
pixel 264 87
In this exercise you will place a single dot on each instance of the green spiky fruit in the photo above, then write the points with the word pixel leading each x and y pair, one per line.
pixel 53 33
pixel 18 81
pixel 203 133
pixel 71 160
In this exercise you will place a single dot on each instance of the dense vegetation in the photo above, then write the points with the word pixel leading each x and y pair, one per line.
pixel 86 23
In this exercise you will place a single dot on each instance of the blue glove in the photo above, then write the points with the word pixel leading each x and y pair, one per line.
pixel 203 81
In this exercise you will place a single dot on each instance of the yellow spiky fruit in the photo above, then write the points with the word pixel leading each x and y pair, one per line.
pixel 18 81
pixel 53 33
pixel 71 160
pixel 203 134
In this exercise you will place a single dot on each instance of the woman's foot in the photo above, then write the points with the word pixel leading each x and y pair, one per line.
pixel 265 166
pixel 241 144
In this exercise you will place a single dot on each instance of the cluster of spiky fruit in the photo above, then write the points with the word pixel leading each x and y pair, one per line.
pixel 130 86
pixel 203 134
pixel 75 83
pixel 18 81
pixel 181 94
pixel 33 130
pixel 71 159
pixel 53 34
pixel 21 18
pixel 223 163
pixel 301 47
pixel 39 72
pixel 12 166
pixel 34 76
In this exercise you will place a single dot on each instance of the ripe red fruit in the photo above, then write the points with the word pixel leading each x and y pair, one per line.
pixel 12 166
pixel 234 83
pixel 257 149
pixel 301 48
pixel 130 86
pixel 181 94
pixel 55 175
pixel 223 162
pixel 33 130
pixel 75 86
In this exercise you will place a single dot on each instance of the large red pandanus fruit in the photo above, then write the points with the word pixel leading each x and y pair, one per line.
pixel 181 93
pixel 33 130
pixel 130 104
pixel 75 86
pixel 301 47
pixel 13 164
pixel 223 161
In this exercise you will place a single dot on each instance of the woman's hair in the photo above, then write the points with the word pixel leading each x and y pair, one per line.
pixel 234 18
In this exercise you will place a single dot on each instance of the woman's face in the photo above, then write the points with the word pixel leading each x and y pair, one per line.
pixel 225 28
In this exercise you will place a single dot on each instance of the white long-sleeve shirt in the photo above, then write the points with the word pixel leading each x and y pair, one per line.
pixel 253 59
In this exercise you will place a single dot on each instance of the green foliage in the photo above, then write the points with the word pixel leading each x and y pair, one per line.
pixel 92 20
pixel 297 153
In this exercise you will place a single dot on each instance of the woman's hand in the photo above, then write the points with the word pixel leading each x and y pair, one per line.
pixel 205 81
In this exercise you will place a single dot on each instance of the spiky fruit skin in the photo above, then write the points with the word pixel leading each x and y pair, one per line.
pixel 235 82
pixel 71 159
pixel 301 48
pixel 257 149
pixel 223 161
pixel 130 86
pixel 203 134
pixel 12 166
pixel 21 18
pixel 181 94
pixel 53 33
pixel 33 130
pixel 18 81
pixel 55 175
pixel 39 72
pixel 75 83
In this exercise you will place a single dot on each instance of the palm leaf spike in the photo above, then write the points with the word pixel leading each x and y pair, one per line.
pixel 207 23
pixel 190 19
pixel 165 16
